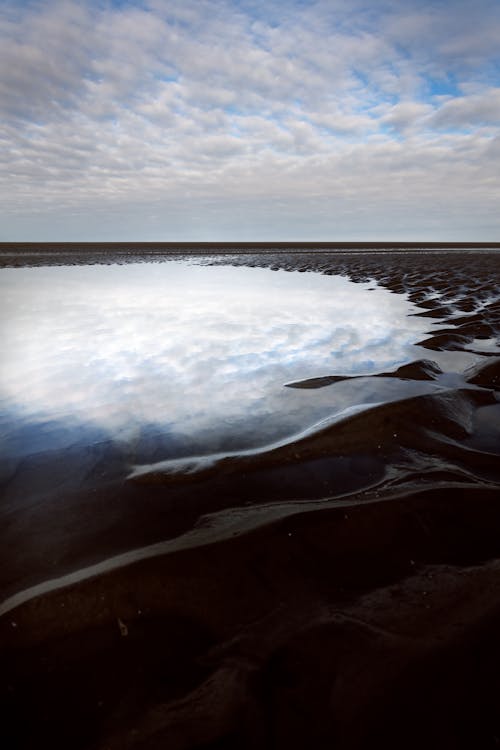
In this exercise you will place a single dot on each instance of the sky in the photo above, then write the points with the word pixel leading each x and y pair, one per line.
pixel 250 120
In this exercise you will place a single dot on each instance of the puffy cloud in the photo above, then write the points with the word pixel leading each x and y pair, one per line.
pixel 469 111
pixel 405 115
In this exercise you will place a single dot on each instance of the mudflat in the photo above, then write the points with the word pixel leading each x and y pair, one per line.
pixel 341 589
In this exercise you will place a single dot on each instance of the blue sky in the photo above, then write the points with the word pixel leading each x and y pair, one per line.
pixel 249 120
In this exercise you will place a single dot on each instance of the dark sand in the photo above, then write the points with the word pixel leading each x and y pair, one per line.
pixel 339 591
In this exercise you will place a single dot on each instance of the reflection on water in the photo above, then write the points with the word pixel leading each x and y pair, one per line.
pixel 192 358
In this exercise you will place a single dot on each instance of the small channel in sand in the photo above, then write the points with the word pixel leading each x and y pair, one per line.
pixel 179 359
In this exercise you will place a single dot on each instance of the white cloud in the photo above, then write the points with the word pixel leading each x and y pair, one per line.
pixel 470 111
pixel 405 115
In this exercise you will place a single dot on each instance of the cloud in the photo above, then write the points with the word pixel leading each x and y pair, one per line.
pixel 466 112
pixel 405 115
pixel 194 107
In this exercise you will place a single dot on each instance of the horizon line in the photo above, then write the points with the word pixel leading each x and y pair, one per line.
pixel 323 244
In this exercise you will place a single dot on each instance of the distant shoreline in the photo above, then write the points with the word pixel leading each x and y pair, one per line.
pixel 20 247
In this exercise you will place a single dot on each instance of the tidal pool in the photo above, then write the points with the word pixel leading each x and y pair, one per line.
pixel 182 359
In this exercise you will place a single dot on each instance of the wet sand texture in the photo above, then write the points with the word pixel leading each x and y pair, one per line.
pixel 283 611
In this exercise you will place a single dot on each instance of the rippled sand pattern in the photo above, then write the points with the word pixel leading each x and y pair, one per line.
pixel 337 590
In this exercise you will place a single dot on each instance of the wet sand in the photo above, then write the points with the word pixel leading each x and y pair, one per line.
pixel 341 589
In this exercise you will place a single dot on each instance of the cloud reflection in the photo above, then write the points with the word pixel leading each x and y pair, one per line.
pixel 193 351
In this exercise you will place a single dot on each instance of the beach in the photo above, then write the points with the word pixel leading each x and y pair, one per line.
pixel 335 588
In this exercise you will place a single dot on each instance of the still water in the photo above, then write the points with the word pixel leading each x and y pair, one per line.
pixel 192 358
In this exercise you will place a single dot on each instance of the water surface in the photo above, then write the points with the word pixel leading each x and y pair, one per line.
pixel 196 354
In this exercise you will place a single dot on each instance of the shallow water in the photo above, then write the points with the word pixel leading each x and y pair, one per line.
pixel 192 358
pixel 143 403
